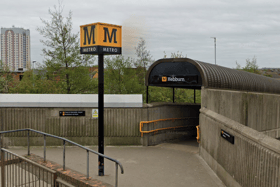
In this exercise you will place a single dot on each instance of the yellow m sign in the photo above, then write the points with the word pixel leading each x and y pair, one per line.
pixel 100 38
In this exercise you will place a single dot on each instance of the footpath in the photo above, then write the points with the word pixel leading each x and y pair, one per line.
pixel 175 164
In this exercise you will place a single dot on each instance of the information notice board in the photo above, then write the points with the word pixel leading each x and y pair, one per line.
pixel 72 113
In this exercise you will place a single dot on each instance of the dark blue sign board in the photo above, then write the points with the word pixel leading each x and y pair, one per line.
pixel 72 113
pixel 227 136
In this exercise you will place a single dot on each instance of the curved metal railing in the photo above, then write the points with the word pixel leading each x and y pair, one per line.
pixel 117 163
pixel 160 129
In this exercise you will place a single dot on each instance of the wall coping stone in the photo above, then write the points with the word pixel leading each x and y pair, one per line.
pixel 241 91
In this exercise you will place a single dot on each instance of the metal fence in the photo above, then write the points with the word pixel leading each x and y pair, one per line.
pixel 21 172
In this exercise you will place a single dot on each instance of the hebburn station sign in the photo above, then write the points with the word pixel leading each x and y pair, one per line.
pixel 100 38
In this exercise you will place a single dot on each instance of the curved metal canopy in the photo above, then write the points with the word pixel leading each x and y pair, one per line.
pixel 188 73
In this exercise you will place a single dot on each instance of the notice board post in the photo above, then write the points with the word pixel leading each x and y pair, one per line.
pixel 101 39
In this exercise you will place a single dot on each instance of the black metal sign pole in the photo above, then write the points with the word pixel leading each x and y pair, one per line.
pixel 101 113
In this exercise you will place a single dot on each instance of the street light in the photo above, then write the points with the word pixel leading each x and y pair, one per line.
pixel 33 71
pixel 215 48
pixel 33 63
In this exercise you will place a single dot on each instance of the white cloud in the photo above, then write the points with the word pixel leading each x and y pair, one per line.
pixel 243 28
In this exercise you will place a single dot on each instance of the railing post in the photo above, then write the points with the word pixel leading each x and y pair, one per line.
pixel 63 154
pixel 87 164
pixel 3 182
pixel 28 143
pixel 116 184
pixel 44 148
pixel 54 180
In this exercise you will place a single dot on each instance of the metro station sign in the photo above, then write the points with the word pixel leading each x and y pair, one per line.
pixel 189 79
pixel 100 38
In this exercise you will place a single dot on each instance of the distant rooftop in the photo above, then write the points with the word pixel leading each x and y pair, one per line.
pixel 15 30
pixel 269 68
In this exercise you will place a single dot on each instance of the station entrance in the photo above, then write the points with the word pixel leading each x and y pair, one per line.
pixel 214 82
pixel 174 73
pixel 182 120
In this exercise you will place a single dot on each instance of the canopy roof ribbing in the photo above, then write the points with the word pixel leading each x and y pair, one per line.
pixel 193 74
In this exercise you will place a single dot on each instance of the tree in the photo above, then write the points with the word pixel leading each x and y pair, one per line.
pixel 6 79
pixel 177 54
pixel 165 94
pixel 63 61
pixel 35 84
pixel 121 77
pixel 143 61
pixel 2 78
pixel 238 66
pixel 144 57
pixel 251 66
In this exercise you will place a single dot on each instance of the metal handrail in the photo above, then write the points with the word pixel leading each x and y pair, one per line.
pixel 198 132
pixel 166 128
pixel 69 141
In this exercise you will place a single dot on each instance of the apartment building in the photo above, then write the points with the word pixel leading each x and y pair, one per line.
pixel 15 48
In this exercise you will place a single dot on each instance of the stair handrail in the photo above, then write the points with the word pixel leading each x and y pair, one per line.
pixel 117 163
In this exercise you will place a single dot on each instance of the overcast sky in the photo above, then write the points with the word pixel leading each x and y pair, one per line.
pixel 243 28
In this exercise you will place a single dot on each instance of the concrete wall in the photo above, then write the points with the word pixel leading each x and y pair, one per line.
pixel 254 158
pixel 164 111
pixel 121 125
pixel 259 111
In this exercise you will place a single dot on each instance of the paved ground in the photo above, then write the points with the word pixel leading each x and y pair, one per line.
pixel 164 165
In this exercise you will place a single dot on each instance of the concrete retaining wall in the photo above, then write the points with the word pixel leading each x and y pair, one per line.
pixel 253 119
pixel 259 111
pixel 121 125
pixel 253 160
